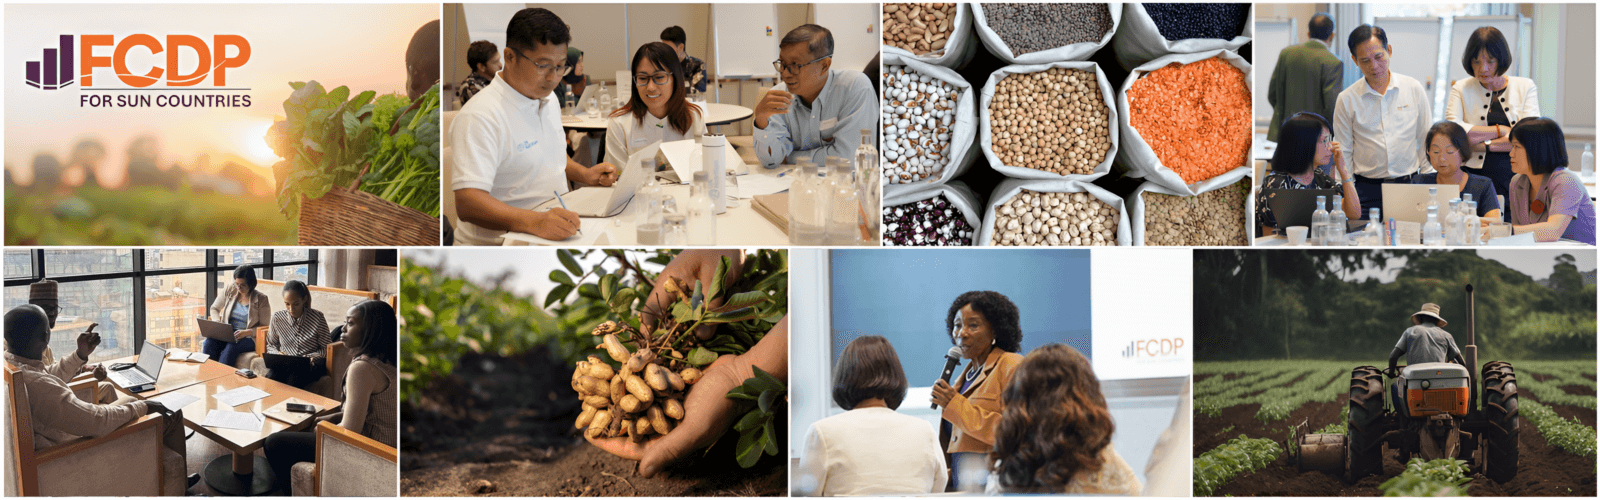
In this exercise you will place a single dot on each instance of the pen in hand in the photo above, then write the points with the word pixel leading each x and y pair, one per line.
pixel 564 207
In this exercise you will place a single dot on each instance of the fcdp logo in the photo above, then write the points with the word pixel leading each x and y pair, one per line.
pixel 55 70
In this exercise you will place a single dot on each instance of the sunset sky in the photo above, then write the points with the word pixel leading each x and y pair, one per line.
pixel 360 46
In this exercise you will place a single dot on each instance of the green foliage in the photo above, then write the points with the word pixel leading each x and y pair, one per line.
pixel 1570 435
pixel 1338 426
pixel 1241 455
pixel 1264 383
pixel 319 142
pixel 405 166
pixel 141 215
pixel 445 317
pixel 757 434
pixel 1444 477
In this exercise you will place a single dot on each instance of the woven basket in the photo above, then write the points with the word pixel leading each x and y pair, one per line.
pixel 350 217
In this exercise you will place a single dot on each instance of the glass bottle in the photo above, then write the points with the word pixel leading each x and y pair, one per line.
pixel 1337 223
pixel 1586 166
pixel 647 218
pixel 1433 198
pixel 804 197
pixel 605 100
pixel 868 182
pixel 1432 231
pixel 1319 223
pixel 674 234
pixel 844 219
pixel 702 212
pixel 1452 224
pixel 1373 234
pixel 1472 225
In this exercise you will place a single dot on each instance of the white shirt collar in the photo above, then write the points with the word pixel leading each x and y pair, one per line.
pixel 518 98
pixel 1368 85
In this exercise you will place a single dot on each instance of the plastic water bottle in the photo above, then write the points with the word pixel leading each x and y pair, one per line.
pixel 647 219
pixel 714 162
pixel 1373 234
pixel 702 218
pixel 806 206
pixel 1319 223
pixel 605 100
pixel 844 218
pixel 868 182
pixel 1338 222
pixel 1587 165
pixel 1433 199
pixel 1472 224
pixel 1452 224
pixel 1432 231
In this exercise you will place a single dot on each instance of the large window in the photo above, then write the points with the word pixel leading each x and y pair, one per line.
pixel 139 295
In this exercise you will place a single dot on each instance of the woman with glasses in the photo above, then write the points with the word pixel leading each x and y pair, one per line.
pixel 657 109
pixel 1447 152
pixel 1304 141
pixel 1487 103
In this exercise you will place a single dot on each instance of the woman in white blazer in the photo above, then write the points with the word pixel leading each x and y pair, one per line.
pixel 1487 103
pixel 659 109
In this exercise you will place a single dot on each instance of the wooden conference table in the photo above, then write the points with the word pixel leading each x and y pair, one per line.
pixel 242 473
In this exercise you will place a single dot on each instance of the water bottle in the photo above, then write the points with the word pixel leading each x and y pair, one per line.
pixel 1432 232
pixel 605 100
pixel 702 212
pixel 1373 234
pixel 867 183
pixel 1319 223
pixel 1587 165
pixel 1473 225
pixel 714 163
pixel 805 207
pixel 1452 224
pixel 1338 235
pixel 674 232
pixel 647 218
pixel 844 219
pixel 1433 198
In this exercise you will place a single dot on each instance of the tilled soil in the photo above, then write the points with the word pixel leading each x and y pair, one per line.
pixel 1543 470
pixel 502 426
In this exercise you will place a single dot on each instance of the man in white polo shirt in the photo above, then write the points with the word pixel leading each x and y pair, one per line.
pixel 507 142
pixel 1382 132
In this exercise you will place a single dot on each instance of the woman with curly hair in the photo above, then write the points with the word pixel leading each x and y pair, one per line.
pixel 870 449
pixel 987 328
pixel 1055 433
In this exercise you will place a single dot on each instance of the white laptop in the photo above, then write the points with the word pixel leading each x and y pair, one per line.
pixel 145 371
pixel 608 201
pixel 1409 202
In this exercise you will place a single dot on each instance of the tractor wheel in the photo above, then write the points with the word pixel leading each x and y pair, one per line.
pixel 1500 408
pixel 1363 435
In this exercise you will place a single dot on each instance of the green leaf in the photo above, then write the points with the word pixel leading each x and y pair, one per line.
pixel 749 449
pixel 681 312
pixel 570 263
pixel 622 302
pixel 718 279
pixel 700 357
pixel 560 277
pixel 608 284
pixel 557 295
pixel 765 400
pixel 743 300
pixel 751 421
pixel 766 436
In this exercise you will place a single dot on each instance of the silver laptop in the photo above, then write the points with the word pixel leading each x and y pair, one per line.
pixel 1409 202
pixel 609 201
pixel 215 330
pixel 145 371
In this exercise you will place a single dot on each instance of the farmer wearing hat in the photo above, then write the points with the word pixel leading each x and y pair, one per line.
pixel 43 294
pixel 1425 342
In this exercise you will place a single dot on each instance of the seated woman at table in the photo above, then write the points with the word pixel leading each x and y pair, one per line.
pixel 657 111
pixel 1447 151
pixel 298 330
pixel 1305 141
pixel 243 307
pixel 1546 199
pixel 371 389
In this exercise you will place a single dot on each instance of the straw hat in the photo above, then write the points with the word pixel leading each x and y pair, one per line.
pixel 42 290
pixel 1431 310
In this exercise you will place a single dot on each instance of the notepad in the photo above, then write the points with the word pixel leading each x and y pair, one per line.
pixel 186 356
pixel 175 400
pixel 594 234
pixel 240 396
pixel 225 419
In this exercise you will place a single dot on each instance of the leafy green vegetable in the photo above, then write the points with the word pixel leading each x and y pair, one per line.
pixel 1443 477
pixel 1570 435
pixel 1242 455
pixel 405 166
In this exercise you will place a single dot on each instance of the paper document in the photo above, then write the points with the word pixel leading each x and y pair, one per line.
pixel 753 185
pixel 186 356
pixel 1408 233
pixel 225 419
pixel 240 396
pixel 1516 240
pixel 175 400
pixel 679 152
pixel 594 233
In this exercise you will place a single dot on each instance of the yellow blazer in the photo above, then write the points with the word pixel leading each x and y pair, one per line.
pixel 974 414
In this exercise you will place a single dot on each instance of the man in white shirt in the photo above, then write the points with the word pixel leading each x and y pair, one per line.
pixel 508 145
pixel 1382 132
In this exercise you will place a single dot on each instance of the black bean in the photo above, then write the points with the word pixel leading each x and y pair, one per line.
pixel 1032 27
pixel 1183 21
pixel 931 222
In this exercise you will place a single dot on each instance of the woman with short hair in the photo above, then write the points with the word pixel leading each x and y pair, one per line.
pixel 987 328
pixel 1487 103
pixel 1447 151
pixel 1546 199
pixel 870 449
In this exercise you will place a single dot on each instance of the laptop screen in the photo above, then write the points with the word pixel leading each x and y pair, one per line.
pixel 150 359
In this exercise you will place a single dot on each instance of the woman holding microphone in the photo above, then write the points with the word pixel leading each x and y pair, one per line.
pixel 986 327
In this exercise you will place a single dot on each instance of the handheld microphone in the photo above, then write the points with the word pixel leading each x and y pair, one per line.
pixel 951 359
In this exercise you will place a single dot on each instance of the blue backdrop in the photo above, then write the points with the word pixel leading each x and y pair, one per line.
pixel 903 295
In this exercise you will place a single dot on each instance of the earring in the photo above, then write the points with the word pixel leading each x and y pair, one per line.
pixel 992 341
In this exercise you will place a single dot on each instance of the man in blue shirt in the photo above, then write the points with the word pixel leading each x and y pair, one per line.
pixel 816 112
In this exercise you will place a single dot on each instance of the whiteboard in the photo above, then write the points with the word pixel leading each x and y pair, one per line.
pixel 1272 36
pixel 855 32
pixel 1416 50
pixel 746 37
pixel 1463 28
pixel 488 21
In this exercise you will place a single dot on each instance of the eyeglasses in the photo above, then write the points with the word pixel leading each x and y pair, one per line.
pixel 543 69
pixel 780 67
pixel 1447 151
pixel 659 79
pixel 1325 139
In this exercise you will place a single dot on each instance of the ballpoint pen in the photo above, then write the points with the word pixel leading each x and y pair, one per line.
pixel 564 207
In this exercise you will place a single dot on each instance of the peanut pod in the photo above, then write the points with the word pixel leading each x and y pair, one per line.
pixel 644 425
pixel 690 375
pixel 597 401
pixel 599 369
pixel 587 416
pixel 590 386
pixel 614 347
pixel 599 424
pixel 630 404
pixel 637 388
pixel 639 360
pixel 618 388
pixel 606 328
pixel 674 409
pixel 656 377
pixel 657 419
pixel 674 380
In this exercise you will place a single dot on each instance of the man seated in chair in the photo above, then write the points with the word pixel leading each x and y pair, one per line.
pixel 59 416
pixel 298 330
pixel 43 294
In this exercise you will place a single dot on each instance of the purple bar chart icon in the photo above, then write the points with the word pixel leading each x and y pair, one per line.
pixel 55 70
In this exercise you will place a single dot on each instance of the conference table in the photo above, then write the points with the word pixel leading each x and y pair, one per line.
pixel 1279 240
pixel 741 225
pixel 716 114
pixel 241 472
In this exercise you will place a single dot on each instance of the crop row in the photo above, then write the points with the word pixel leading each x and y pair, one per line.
pixel 1570 435
pixel 1549 392
pixel 1241 455
pixel 1444 477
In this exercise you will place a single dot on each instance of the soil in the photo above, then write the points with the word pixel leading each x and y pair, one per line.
pixel 1543 470
pixel 502 426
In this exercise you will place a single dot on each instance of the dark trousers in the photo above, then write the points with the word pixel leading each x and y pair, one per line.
pixel 1371 192
pixel 227 352
pixel 285 449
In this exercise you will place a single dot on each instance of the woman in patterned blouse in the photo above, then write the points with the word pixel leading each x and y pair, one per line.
pixel 1305 141
pixel 299 330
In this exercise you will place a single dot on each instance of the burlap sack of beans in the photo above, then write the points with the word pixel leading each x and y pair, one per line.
pixel 1073 52
pixel 1139 41
pixel 1136 154
pixel 1012 187
pixel 1136 205
pixel 986 141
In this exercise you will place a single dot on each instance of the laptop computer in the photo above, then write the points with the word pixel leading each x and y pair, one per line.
pixel 285 364
pixel 215 330
pixel 1409 202
pixel 609 201
pixel 1293 207
pixel 145 371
